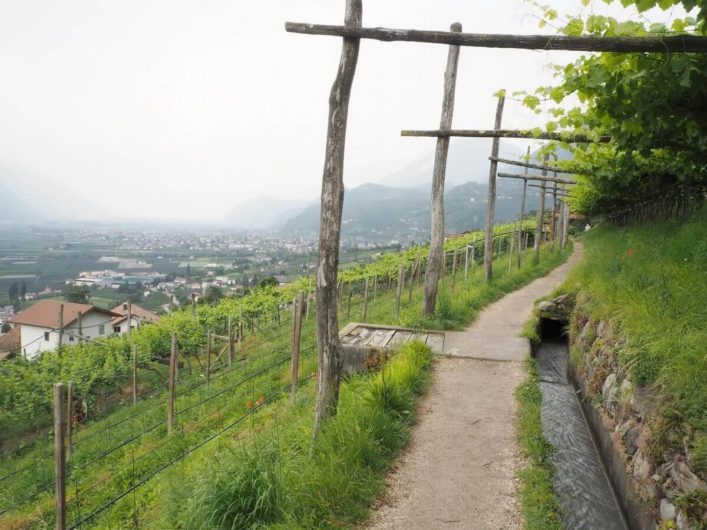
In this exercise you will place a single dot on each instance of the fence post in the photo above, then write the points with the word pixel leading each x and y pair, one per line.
pixel 365 299
pixel 208 358
pixel 134 375
pixel 296 336
pixel 413 272
pixel 454 269
pixel 399 290
pixel 230 341
pixel 69 419
pixel 348 303
pixel 466 263
pixel 510 253
pixel 307 304
pixel 171 385
pixel 375 287
pixel 59 456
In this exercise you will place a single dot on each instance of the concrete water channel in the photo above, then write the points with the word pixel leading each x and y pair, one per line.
pixel 585 492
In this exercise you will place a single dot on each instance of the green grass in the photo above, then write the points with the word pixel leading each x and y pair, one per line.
pixel 277 479
pixel 540 506
pixel 650 281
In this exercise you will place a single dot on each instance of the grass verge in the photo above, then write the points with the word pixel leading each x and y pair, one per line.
pixel 278 480
pixel 540 506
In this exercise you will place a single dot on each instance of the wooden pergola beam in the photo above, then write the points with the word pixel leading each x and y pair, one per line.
pixel 506 133
pixel 535 166
pixel 562 192
pixel 582 43
pixel 536 177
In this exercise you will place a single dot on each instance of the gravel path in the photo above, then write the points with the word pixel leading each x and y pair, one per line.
pixel 460 470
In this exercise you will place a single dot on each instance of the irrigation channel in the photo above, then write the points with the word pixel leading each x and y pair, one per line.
pixel 585 492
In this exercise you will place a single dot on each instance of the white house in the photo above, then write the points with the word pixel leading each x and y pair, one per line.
pixel 42 324
pixel 138 317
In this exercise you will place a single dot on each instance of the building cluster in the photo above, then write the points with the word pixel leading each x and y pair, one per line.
pixel 111 279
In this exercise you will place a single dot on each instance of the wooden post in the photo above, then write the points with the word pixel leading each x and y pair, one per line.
pixel 332 200
pixel 69 419
pixel 541 218
pixel 491 206
pixel 134 375
pixel 307 304
pixel 79 325
pixel 399 291
pixel 554 214
pixel 59 456
pixel 230 341
pixel 473 255
pixel 413 272
pixel 510 252
pixel 296 336
pixel 375 287
pixel 365 299
pixel 130 316
pixel 348 302
pixel 61 325
pixel 436 254
pixel 443 267
pixel 522 209
pixel 171 387
pixel 454 269
pixel 466 262
pixel 240 323
pixel 208 358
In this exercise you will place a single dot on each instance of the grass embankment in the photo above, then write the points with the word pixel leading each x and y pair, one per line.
pixel 650 281
pixel 277 479
pixel 540 507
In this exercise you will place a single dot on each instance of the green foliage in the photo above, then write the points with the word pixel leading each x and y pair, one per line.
pixel 652 105
pixel 540 505
pixel 77 294
pixel 649 280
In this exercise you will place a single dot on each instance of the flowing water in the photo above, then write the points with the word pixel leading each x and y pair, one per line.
pixel 586 497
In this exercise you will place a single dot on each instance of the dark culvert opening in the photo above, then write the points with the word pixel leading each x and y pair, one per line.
pixel 552 330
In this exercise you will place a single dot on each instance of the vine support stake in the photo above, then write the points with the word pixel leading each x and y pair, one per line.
pixel 522 207
pixel 436 254
pixel 134 375
pixel 454 270
pixel 541 218
pixel 230 341
pixel 491 206
pixel 171 385
pixel 208 358
pixel 59 457
pixel 297 307
pixel 365 299
pixel 69 419
pixel 399 290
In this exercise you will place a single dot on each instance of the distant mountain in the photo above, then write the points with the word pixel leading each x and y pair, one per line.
pixel 41 198
pixel 264 213
pixel 467 161
pixel 373 212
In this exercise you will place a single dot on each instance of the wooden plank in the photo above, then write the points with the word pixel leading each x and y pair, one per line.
pixel 436 342
pixel 380 338
pixel 542 178
pixel 436 253
pixel 528 165
pixel 399 338
pixel 362 337
pixel 586 43
pixel 297 311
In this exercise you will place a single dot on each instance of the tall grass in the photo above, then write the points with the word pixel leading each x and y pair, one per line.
pixel 279 480
pixel 651 281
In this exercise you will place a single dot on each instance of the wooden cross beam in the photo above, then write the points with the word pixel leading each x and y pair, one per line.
pixel 566 193
pixel 535 166
pixel 536 177
pixel 583 43
pixel 506 133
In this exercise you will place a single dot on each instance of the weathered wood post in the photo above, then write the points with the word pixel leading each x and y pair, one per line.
pixel 510 252
pixel 332 200
pixel 240 323
pixel 69 419
pixel 454 269
pixel 307 305
pixel 411 283
pixel 399 290
pixel 436 254
pixel 171 387
pixel 553 233
pixel 348 301
pixel 466 263
pixel 59 457
pixel 541 217
pixel 297 308
pixel 375 287
pixel 208 358
pixel 61 325
pixel 522 209
pixel 491 206
pixel 134 375
pixel 365 299
pixel 230 341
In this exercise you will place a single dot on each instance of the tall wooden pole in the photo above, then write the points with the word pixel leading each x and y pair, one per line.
pixel 332 201
pixel 134 375
pixel 365 299
pixel 208 358
pixel 522 210
pixel 171 387
pixel 230 341
pixel 61 325
pixel 436 254
pixel 541 218
pixel 399 290
pixel 296 336
pixel 59 456
pixel 553 232
pixel 491 206
pixel 69 419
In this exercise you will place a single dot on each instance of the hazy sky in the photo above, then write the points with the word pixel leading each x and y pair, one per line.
pixel 183 109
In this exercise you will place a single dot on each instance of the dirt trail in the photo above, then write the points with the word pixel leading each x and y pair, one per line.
pixel 460 469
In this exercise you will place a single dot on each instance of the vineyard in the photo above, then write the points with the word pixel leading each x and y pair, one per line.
pixel 118 447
